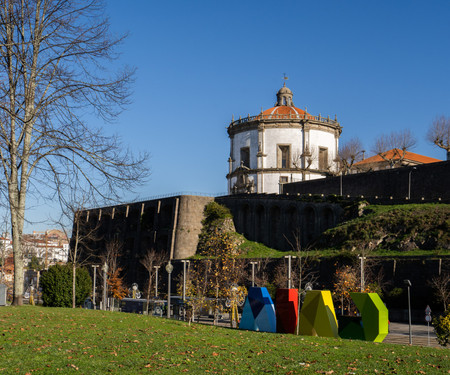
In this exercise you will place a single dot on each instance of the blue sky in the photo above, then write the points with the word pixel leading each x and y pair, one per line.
pixel 378 65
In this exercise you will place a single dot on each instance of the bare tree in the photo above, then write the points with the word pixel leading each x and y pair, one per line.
pixel 392 147
pixel 149 260
pixel 52 69
pixel 80 252
pixel 441 287
pixel 350 153
pixel 304 160
pixel 439 133
pixel 110 256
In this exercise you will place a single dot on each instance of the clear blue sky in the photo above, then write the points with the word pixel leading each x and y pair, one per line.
pixel 378 65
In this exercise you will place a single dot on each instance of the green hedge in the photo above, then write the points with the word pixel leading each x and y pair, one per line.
pixel 56 286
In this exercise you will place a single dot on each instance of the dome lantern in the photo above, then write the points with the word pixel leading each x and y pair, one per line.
pixel 284 97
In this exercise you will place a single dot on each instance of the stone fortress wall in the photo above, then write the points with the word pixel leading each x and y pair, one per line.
pixel 168 225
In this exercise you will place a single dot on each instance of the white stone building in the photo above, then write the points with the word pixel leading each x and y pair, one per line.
pixel 282 144
pixel 50 247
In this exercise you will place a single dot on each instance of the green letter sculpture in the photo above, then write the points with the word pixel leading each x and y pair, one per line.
pixel 317 317
pixel 375 320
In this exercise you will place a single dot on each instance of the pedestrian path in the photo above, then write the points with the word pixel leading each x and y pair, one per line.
pixel 421 335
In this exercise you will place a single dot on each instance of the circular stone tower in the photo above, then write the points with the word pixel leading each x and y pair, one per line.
pixel 282 144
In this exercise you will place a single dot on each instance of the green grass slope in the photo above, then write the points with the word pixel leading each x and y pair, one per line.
pixel 55 340
pixel 399 228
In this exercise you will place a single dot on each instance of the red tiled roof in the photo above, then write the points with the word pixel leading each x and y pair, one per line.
pixel 395 154
pixel 284 110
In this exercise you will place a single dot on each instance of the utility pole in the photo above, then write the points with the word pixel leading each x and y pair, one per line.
pixel 105 274
pixel 169 269
pixel 408 284
pixel 156 280
pixel 253 272
pixel 289 258
pixel 94 266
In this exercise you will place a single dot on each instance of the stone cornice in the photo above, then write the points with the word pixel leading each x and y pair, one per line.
pixel 291 123
pixel 277 171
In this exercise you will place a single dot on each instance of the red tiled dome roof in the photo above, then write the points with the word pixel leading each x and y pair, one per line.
pixel 285 110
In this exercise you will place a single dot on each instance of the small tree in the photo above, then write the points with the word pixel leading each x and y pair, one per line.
pixel 350 153
pixel 439 133
pixel 441 287
pixel 345 281
pixel 115 283
pixel 80 252
pixel 442 329
pixel 56 286
pixel 35 264
pixel 149 261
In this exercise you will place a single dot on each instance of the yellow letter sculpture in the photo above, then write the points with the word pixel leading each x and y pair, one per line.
pixel 317 317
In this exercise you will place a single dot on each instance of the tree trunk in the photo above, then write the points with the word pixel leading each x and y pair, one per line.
pixel 17 209
pixel 18 258
pixel 74 279
pixel 148 289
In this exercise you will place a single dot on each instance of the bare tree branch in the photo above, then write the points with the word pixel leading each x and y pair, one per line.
pixel 392 147
pixel 439 133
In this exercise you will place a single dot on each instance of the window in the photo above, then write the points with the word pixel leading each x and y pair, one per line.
pixel 283 156
pixel 284 180
pixel 245 157
pixel 323 158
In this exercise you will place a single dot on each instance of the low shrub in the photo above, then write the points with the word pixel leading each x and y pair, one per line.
pixel 442 328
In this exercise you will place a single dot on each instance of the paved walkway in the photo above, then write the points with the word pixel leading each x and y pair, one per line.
pixel 421 335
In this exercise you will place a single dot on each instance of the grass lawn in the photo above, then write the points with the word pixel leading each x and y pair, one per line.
pixel 53 340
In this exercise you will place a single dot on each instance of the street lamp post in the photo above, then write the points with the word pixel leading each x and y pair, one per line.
pixel 184 261
pixel 156 280
pixel 184 287
pixel 340 184
pixel 409 182
pixel 94 287
pixel 289 258
pixel 408 284
pixel 105 273
pixel 253 272
pixel 169 269
pixel 362 287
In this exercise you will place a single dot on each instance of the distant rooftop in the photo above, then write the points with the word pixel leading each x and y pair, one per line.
pixel 395 154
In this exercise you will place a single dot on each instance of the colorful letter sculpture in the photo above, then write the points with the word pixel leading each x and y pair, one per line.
pixel 317 317
pixel 286 307
pixel 375 317
pixel 259 311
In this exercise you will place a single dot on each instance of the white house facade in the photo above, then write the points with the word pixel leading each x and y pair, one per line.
pixel 282 144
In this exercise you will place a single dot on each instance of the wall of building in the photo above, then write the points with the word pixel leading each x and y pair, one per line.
pixel 169 225
pixel 428 181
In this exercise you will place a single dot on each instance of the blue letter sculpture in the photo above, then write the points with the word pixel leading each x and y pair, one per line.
pixel 259 311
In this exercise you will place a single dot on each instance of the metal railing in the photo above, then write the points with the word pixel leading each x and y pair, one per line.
pixel 305 116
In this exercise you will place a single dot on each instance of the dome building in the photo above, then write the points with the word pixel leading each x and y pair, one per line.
pixel 282 144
